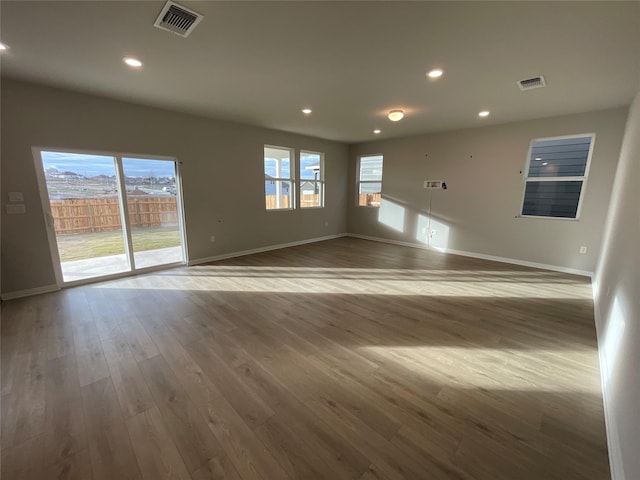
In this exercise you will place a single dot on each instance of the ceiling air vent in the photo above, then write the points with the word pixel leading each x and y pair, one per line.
pixel 177 19
pixel 531 83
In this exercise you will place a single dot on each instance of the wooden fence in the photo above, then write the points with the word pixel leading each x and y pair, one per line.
pixel 312 200
pixel 81 215
pixel 369 200
pixel 306 200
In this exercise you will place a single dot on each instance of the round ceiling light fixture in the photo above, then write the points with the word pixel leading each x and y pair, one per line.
pixel 377 131
pixel 396 115
pixel 484 113
pixel 3 47
pixel 435 73
pixel 132 62
pixel 306 111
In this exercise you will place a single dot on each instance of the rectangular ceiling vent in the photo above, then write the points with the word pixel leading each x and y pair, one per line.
pixel 177 19
pixel 531 83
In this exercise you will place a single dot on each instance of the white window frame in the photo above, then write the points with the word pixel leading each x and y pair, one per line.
pixel 279 180
pixel 360 182
pixel 583 179
pixel 124 217
pixel 319 181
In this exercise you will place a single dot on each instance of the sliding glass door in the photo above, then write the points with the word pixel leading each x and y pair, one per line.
pixel 108 215
pixel 152 200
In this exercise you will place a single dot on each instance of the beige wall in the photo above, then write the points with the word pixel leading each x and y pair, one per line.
pixel 478 212
pixel 617 301
pixel 221 168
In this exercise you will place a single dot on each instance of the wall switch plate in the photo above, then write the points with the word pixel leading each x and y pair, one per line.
pixel 16 208
pixel 583 250
pixel 16 197
pixel 212 238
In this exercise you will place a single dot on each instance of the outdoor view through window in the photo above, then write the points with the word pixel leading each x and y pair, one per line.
pixel 370 181
pixel 84 193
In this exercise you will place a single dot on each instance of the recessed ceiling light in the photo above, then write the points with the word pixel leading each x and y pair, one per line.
pixel 3 47
pixel 306 111
pixel 396 115
pixel 484 113
pixel 538 158
pixel 545 163
pixel 377 131
pixel 132 62
pixel 435 73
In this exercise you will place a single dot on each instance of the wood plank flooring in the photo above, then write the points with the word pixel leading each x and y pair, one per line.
pixel 345 359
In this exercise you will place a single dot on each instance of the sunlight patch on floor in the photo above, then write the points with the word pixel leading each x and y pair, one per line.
pixel 499 368
pixel 440 283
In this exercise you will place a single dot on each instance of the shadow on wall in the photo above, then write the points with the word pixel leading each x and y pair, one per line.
pixel 422 226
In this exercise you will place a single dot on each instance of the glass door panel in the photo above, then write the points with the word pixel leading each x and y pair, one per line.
pixel 86 213
pixel 153 211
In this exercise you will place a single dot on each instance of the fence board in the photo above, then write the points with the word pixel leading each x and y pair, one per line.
pixel 82 215
pixel 306 200
pixel 369 199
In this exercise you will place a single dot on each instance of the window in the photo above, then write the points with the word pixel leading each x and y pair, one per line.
pixel 370 181
pixel 278 178
pixel 311 179
pixel 556 176
pixel 109 214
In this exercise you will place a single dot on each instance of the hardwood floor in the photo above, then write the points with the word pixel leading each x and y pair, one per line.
pixel 345 359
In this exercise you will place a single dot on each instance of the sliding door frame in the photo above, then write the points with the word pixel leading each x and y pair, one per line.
pixel 124 217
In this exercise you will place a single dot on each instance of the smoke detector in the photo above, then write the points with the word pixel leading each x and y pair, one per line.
pixel 531 83
pixel 177 19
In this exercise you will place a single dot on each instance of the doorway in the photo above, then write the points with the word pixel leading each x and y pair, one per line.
pixel 110 215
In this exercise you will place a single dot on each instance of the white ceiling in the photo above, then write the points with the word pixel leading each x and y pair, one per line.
pixel 260 63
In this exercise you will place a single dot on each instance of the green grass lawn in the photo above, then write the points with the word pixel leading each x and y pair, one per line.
pixel 81 246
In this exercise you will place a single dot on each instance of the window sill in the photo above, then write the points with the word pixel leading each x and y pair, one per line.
pixel 548 218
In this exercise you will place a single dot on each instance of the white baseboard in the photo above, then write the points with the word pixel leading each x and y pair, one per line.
pixel 241 253
pixel 29 292
pixel 611 426
pixel 482 256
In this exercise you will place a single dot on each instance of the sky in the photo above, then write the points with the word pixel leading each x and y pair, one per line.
pixel 92 165
pixel 305 161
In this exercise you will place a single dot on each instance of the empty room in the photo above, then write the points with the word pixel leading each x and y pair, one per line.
pixel 320 240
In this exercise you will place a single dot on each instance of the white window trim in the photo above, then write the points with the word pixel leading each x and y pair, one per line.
pixel 320 180
pixel 583 179
pixel 359 182
pixel 36 152
pixel 291 180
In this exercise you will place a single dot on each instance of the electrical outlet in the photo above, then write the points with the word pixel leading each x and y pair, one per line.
pixel 16 208
pixel 212 239
pixel 434 233
pixel 583 250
